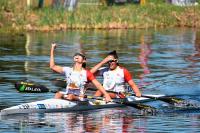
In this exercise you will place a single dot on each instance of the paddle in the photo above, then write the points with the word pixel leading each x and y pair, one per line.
pixel 139 106
pixel 30 87
pixel 178 102
pixel 23 86
pixel 123 101
pixel 167 99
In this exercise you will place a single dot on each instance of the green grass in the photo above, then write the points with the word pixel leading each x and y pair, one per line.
pixel 156 13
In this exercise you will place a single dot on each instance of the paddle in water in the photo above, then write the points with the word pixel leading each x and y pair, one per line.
pixel 178 102
pixel 168 99
pixel 30 87
pixel 146 109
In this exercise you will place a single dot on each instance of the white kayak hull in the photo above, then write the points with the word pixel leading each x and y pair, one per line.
pixel 60 105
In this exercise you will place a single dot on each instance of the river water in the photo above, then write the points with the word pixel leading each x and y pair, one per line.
pixel 164 61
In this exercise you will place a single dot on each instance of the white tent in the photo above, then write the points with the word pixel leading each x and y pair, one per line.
pixel 184 2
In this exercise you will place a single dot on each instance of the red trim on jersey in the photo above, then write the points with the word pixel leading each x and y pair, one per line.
pixel 127 74
pixel 90 76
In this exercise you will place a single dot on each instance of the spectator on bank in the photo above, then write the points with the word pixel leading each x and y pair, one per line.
pixel 70 4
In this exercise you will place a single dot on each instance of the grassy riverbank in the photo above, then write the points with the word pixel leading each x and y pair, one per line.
pixel 14 16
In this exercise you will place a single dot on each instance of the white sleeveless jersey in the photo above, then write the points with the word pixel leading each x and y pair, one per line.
pixel 115 79
pixel 76 80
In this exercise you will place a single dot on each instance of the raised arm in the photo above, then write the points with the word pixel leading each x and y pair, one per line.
pixel 54 67
pixel 100 64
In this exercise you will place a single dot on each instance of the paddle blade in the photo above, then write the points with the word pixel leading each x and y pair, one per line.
pixel 167 99
pixel 143 107
pixel 139 105
pixel 30 87
pixel 171 100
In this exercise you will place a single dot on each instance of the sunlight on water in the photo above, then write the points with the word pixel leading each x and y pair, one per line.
pixel 165 61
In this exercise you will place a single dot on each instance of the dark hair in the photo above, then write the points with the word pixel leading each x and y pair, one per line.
pixel 80 54
pixel 84 65
pixel 84 57
pixel 114 54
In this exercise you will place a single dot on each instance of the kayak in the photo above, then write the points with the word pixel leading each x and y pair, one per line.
pixel 60 105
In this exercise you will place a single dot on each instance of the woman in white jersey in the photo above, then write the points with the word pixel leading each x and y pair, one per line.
pixel 76 78
pixel 114 77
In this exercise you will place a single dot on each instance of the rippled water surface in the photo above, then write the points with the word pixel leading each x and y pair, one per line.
pixel 165 61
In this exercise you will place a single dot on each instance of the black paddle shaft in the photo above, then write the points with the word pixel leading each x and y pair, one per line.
pixel 167 99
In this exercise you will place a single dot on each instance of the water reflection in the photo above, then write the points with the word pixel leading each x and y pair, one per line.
pixel 27 44
pixel 117 120
pixel 145 51
pixel 197 44
pixel 165 61
pixel 108 120
pixel 194 57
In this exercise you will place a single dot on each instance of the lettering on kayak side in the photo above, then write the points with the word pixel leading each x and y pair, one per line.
pixel 24 106
pixel 32 89
pixel 41 106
